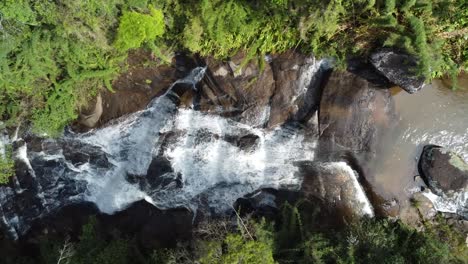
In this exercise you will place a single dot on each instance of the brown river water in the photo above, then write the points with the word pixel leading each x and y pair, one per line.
pixel 435 115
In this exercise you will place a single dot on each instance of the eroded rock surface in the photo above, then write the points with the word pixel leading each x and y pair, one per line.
pixel 399 68
pixel 336 185
pixel 443 170
pixel 288 87
pixel 354 116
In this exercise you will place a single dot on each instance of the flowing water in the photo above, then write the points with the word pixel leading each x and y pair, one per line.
pixel 167 156
pixel 175 157
pixel 435 115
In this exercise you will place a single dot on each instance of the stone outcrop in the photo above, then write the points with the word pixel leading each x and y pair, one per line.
pixel 354 115
pixel 151 227
pixel 399 68
pixel 443 170
pixel 90 117
pixel 265 202
pixel 285 88
pixel 144 79
pixel 336 186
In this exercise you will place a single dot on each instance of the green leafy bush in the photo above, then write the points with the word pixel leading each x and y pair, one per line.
pixel 6 167
pixel 136 28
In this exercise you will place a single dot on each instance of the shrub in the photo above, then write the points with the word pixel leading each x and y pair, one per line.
pixel 136 28
pixel 6 168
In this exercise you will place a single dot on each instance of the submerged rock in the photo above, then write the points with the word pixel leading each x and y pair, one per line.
pixel 399 68
pixel 443 170
pixel 336 185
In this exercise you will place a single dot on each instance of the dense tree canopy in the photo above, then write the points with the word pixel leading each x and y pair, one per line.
pixel 55 55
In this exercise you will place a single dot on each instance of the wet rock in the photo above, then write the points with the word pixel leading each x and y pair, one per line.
pixel 90 117
pixel 424 205
pixel 443 170
pixel 145 79
pixel 287 87
pixel 246 143
pixel 336 185
pixel 391 208
pixel 160 175
pixel 398 68
pixel 265 202
pixel 66 221
pixel 152 227
pixel 242 93
pixel 364 69
pixel 87 154
pixel 354 117
pixel 298 84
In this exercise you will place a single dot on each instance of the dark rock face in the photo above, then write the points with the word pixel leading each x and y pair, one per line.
pixel 443 171
pixel 41 185
pixel 152 227
pixel 297 92
pixel 398 68
pixel 336 186
pixel 353 116
pixel 265 202
pixel 364 69
pixel 285 89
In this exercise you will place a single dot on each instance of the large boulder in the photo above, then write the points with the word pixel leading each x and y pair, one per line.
pixel 152 228
pixel 354 119
pixel 399 68
pixel 90 117
pixel 443 170
pixel 336 185
pixel 286 87
pixel 354 116
pixel 144 79
pixel 265 202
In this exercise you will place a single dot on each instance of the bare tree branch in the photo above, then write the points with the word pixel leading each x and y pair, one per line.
pixel 66 252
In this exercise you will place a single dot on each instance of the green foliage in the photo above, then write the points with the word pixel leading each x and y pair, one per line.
pixel 6 165
pixel 241 248
pixel 365 241
pixel 92 249
pixel 136 29
pixel 55 56
pixel 256 241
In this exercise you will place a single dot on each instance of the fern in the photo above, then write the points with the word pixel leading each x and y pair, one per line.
pixel 135 29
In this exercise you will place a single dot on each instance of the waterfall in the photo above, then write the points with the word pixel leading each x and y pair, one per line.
pixel 167 156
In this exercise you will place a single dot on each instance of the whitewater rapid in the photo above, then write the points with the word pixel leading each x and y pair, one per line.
pixel 167 156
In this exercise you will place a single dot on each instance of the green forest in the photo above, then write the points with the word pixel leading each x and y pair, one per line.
pixel 293 238
pixel 56 55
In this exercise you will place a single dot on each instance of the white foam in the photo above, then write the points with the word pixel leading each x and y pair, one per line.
pixel 205 165
pixel 361 198
pixel 4 142
pixel 456 203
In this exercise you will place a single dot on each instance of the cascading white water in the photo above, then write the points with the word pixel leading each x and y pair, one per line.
pixel 363 203
pixel 202 164
pixel 205 165
pixel 212 161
